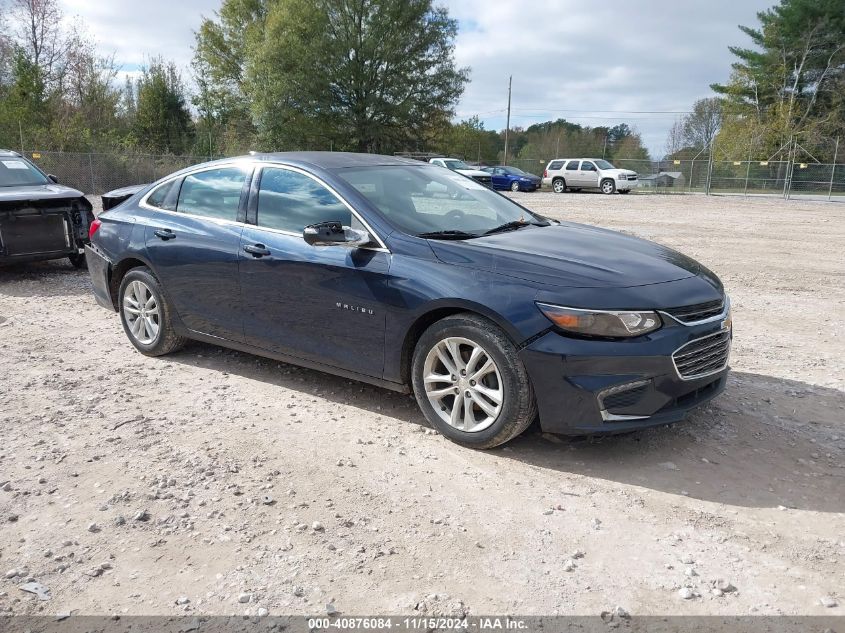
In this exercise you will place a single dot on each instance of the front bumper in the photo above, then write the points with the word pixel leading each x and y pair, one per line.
pixel 589 386
pixel 627 185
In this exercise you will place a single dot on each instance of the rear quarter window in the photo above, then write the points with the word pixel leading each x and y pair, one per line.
pixel 165 196
pixel 555 165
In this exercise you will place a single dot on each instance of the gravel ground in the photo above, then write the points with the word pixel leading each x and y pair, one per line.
pixel 216 482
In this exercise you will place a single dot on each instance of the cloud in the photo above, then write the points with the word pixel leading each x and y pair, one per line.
pixel 583 61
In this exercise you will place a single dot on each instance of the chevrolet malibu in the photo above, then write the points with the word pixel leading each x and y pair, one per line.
pixel 493 316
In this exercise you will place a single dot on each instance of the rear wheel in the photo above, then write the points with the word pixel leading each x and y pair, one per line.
pixel 608 186
pixel 145 314
pixel 559 185
pixel 470 384
pixel 514 186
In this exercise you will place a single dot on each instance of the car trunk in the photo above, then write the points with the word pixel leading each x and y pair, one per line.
pixel 40 227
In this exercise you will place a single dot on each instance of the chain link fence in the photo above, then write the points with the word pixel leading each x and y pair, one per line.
pixel 101 172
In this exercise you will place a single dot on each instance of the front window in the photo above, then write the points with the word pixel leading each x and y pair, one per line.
pixel 16 172
pixel 454 164
pixel 290 201
pixel 603 164
pixel 585 166
pixel 431 202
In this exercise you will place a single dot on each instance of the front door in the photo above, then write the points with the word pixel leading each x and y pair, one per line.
pixel 589 175
pixel 324 303
pixel 500 179
pixel 193 245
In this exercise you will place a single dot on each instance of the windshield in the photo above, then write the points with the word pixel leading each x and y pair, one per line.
pixel 603 164
pixel 16 172
pixel 455 164
pixel 430 200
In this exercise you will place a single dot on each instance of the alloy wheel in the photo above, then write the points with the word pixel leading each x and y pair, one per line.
pixel 514 186
pixel 463 384
pixel 558 186
pixel 607 187
pixel 142 312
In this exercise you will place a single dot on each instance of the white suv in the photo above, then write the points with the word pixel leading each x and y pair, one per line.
pixel 462 168
pixel 588 173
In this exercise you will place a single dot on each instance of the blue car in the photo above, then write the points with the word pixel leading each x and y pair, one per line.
pixel 491 314
pixel 512 178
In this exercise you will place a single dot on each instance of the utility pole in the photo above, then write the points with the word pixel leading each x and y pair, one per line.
pixel 20 131
pixel 833 169
pixel 508 124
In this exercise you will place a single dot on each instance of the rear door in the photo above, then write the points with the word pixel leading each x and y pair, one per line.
pixel 323 304
pixel 192 237
pixel 499 178
pixel 571 175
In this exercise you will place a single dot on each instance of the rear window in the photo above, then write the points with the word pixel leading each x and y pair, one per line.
pixel 555 165
pixel 572 165
pixel 214 193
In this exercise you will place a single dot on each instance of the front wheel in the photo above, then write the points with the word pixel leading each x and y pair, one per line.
pixel 145 314
pixel 608 186
pixel 559 185
pixel 77 260
pixel 470 383
pixel 514 186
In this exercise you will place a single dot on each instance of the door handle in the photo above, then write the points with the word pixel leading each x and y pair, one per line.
pixel 165 234
pixel 257 250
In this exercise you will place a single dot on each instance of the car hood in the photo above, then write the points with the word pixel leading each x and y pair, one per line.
pixel 473 173
pixel 38 192
pixel 570 255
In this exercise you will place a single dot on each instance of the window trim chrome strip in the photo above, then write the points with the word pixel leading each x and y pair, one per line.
pixel 257 165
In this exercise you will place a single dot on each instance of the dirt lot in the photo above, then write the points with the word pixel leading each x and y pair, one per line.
pixel 136 485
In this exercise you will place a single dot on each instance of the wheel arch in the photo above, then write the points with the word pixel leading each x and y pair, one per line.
pixel 440 310
pixel 118 271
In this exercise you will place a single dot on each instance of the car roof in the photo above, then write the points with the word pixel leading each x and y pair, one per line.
pixel 332 160
pixel 8 152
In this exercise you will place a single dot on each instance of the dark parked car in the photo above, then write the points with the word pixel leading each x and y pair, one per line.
pixel 113 198
pixel 487 311
pixel 39 218
pixel 513 178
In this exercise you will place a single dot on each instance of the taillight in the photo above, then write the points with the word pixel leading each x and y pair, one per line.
pixel 545 173
pixel 95 226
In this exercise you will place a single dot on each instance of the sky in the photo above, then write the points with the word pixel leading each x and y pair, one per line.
pixel 593 63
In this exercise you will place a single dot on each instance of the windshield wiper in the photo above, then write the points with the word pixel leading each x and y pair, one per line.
pixel 510 226
pixel 447 235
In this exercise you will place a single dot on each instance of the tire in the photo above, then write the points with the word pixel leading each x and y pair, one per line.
pixel 136 289
pixel 514 187
pixel 77 260
pixel 559 185
pixel 607 186
pixel 508 379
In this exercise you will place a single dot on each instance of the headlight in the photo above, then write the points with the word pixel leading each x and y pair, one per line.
pixel 623 177
pixel 605 323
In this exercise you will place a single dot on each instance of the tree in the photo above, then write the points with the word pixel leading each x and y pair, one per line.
pixel 162 121
pixel 369 75
pixel 787 83
pixel 702 124
pixel 40 35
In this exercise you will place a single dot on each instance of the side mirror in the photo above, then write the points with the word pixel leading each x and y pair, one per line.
pixel 55 179
pixel 334 234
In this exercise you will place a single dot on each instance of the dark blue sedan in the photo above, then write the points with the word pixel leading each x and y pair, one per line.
pixel 347 263
pixel 512 179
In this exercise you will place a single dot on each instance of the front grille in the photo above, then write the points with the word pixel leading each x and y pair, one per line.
pixel 697 312
pixel 634 177
pixel 703 356
pixel 624 399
